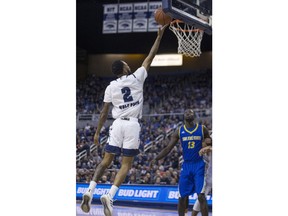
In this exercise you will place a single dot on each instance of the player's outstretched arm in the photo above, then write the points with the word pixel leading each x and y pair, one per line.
pixel 102 119
pixel 148 60
pixel 167 149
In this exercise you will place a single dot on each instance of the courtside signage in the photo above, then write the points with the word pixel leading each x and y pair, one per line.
pixel 139 193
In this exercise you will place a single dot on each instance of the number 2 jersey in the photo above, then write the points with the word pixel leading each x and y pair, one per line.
pixel 126 94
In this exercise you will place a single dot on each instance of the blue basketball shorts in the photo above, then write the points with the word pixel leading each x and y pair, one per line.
pixel 192 178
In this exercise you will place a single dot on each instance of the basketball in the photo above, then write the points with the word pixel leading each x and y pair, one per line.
pixel 161 17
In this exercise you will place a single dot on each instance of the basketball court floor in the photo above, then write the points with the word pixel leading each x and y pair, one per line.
pixel 97 210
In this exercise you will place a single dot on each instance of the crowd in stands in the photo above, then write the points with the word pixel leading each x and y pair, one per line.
pixel 169 95
pixel 163 94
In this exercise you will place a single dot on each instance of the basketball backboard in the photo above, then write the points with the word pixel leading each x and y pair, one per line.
pixel 194 12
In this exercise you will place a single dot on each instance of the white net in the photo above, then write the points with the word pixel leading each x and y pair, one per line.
pixel 189 38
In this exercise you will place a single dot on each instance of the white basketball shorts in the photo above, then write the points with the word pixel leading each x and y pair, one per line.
pixel 124 137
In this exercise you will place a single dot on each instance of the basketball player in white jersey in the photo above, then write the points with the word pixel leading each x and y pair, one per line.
pixel 207 156
pixel 126 95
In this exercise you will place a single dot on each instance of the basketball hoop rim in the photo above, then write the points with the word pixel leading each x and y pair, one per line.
pixel 183 30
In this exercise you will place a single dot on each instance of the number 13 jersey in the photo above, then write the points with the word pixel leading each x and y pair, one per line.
pixel 191 141
pixel 126 94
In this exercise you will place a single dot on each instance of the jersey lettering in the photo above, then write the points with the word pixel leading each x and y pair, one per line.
pixel 191 142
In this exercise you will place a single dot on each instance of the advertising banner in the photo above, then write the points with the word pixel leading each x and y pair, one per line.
pixel 139 193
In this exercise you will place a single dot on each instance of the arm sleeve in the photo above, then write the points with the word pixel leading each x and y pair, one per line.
pixel 141 74
pixel 108 95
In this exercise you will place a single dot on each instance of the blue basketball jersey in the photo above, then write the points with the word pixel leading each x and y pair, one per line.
pixel 193 168
pixel 191 142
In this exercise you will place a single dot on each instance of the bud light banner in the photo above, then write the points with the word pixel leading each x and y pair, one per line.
pixel 139 193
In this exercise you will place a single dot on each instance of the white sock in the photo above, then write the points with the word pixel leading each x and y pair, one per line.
pixel 113 191
pixel 92 187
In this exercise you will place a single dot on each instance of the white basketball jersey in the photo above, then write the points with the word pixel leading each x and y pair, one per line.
pixel 126 94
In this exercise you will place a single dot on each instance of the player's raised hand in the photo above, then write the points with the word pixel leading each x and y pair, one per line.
pixel 162 29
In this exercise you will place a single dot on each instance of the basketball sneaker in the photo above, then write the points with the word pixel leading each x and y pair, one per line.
pixel 86 201
pixel 107 202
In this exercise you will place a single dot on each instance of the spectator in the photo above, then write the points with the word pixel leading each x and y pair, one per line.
pixel 104 180
pixel 83 146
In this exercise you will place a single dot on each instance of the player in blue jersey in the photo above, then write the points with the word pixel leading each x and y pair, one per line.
pixel 192 177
